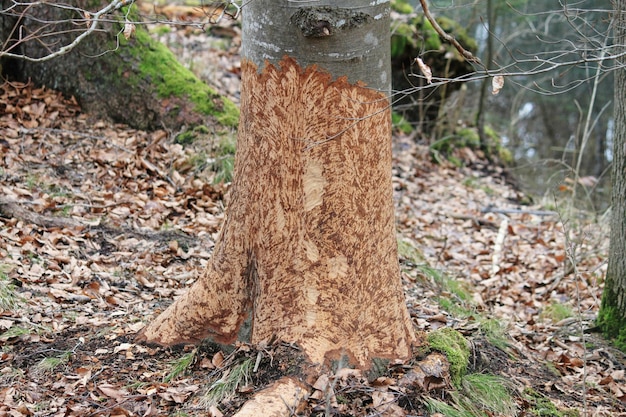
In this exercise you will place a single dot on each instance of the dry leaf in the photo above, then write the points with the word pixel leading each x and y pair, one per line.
pixel 218 359
pixel 112 392
pixel 129 30
pixel 497 83
pixel 428 74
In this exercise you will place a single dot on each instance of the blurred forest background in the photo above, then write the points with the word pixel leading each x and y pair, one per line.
pixel 555 113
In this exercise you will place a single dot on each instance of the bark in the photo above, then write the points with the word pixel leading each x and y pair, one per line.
pixel 308 251
pixel 612 315
pixel 138 82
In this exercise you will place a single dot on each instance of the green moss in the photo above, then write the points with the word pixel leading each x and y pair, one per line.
pixel 455 347
pixel 400 123
pixel 185 138
pixel 175 80
pixel 493 139
pixel 612 325
pixel 429 35
pixel 161 30
pixel 459 33
pixel 541 406
pixel 468 136
pixel 189 136
pixel 403 35
pixel 159 66
pixel 401 6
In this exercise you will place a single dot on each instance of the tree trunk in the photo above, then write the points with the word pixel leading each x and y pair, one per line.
pixel 138 82
pixel 612 316
pixel 308 251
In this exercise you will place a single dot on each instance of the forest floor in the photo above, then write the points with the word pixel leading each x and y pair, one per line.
pixel 101 226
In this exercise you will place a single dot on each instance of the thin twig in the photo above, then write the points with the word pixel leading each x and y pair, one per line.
pixel 464 52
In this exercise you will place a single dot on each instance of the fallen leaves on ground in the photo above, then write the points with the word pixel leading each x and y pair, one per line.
pixel 101 226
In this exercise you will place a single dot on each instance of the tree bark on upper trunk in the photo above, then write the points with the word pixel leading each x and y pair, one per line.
pixel 308 251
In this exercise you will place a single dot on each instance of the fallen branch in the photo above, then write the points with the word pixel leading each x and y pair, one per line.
pixel 9 208
pixel 15 209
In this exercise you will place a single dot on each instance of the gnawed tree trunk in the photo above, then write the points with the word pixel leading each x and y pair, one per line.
pixel 138 82
pixel 308 250
pixel 612 315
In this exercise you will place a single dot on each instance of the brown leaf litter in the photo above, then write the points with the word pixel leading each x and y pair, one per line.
pixel 102 225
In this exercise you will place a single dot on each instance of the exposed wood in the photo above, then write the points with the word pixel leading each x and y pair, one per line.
pixel 282 399
pixel 309 246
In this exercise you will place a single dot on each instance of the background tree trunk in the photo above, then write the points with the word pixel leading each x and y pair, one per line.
pixel 308 250
pixel 612 315
pixel 138 82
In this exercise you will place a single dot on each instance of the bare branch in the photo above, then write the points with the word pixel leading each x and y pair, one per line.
pixel 464 52
pixel 95 20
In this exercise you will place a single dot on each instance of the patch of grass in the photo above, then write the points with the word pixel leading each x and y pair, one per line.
pixel 227 385
pixel 456 298
pixel 65 211
pixel 50 363
pixel 557 312
pixel 455 347
pixel 489 392
pixel 224 162
pixel 495 332
pixel 15 331
pixel 472 182
pixel 437 406
pixel 224 168
pixel 199 161
pixel 227 145
pixel 454 308
pixel 9 300
pixel 10 375
pixel 181 366
pixel 56 190
pixel 32 181
pixel 457 288
pixel 409 252
pixel 480 395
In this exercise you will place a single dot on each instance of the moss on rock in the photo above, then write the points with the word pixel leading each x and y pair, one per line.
pixel 455 347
